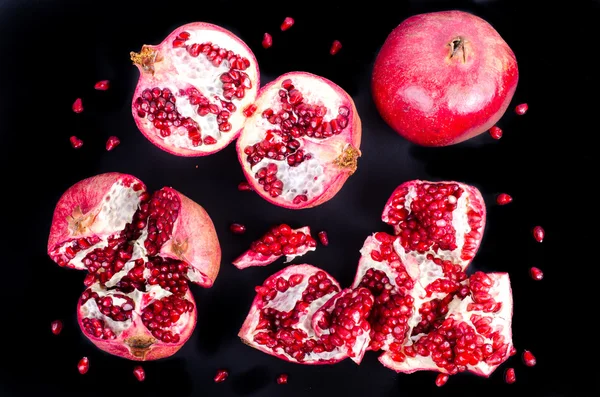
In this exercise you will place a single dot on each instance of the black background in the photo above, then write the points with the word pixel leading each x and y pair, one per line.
pixel 52 52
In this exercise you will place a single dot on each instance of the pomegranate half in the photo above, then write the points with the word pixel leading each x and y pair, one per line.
pixel 444 77
pixel 301 143
pixel 140 251
pixel 193 88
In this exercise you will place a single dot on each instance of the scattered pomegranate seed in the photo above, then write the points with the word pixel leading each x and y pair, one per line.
pixel 76 142
pixel 282 379
pixel 509 376
pixel 536 273
pixel 529 358
pixel 89 279
pixel 102 85
pixel 244 187
pixel 77 106
pixel 250 109
pixel 503 199
pixel 287 23
pixel 496 132
pixel 521 109
pixel 83 366
pixel 237 228
pixel 139 373
pixel 267 41
pixel 336 46
pixel 513 351
pixel 221 375
pixel 323 238
pixel 538 234
pixel 56 327
pixel 441 380
pixel 112 143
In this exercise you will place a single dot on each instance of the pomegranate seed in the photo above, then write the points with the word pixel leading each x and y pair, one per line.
pixel 538 234
pixel 496 132
pixel 249 111
pixel 221 375
pixel 282 379
pixel 77 106
pixel 509 376
pixel 267 41
pixel 336 46
pixel 441 380
pixel 287 23
pixel 529 358
pixel 521 109
pixel 536 273
pixel 83 366
pixel 139 373
pixel 112 143
pixel 245 187
pixel 76 142
pixel 102 85
pixel 323 238
pixel 503 199
pixel 237 228
pixel 56 327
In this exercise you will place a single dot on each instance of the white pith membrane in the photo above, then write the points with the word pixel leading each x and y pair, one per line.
pixel 313 176
pixel 251 258
pixel 424 272
pixel 285 302
pixel 179 70
pixel 117 209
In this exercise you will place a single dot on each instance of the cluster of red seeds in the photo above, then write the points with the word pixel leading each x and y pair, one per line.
pixel 160 315
pixel 282 240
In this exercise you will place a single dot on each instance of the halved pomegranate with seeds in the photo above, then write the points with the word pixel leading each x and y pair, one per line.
pixel 428 315
pixel 140 250
pixel 443 218
pixel 302 143
pixel 280 240
pixel 300 314
pixel 193 88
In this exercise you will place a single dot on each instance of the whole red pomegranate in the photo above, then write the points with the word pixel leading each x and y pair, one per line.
pixel 443 77
pixel 140 251
pixel 301 141
pixel 193 88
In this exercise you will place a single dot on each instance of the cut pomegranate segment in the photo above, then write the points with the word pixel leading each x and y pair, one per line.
pixel 300 314
pixel 440 218
pixel 192 89
pixel 302 143
pixel 280 240
pixel 141 251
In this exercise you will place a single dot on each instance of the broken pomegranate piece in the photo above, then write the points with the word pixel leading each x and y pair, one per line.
pixel 302 143
pixel 140 250
pixel 300 314
pixel 280 240
pixel 193 88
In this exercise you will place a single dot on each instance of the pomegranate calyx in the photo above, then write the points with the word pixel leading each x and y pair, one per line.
pixel 145 58
pixel 458 44
pixel 348 159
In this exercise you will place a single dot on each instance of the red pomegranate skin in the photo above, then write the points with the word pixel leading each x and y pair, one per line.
pixel 433 97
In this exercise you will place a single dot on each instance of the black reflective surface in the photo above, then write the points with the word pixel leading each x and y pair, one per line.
pixel 54 51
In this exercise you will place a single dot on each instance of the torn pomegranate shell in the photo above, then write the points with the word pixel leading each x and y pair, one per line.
pixel 280 321
pixel 193 88
pixel 302 143
pixel 442 218
pixel 280 240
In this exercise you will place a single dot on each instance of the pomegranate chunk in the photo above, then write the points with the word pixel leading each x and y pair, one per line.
pixel 137 303
pixel 280 240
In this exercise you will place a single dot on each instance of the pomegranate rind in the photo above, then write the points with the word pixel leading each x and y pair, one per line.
pixel 248 328
pixel 426 37
pixel 82 202
pixel 338 154
pixel 252 259
pixel 194 240
pixel 475 203
pixel 150 78
pixel 136 343
pixel 457 309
